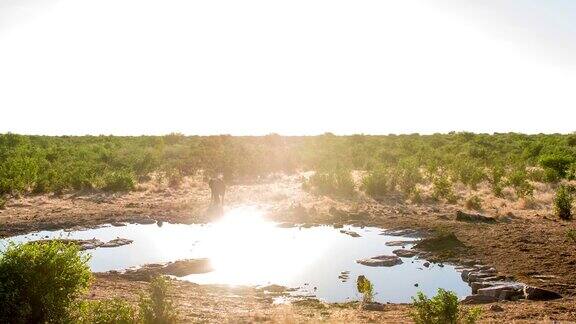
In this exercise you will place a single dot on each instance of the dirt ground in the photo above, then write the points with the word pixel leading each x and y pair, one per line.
pixel 526 242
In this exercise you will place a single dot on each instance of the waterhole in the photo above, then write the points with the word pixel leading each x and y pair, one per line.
pixel 246 249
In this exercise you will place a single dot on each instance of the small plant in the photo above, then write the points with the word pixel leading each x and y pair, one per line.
pixel 157 308
pixel 40 281
pixel 571 235
pixel 441 309
pixel 366 288
pixel 3 202
pixel 563 202
pixel 474 203
pixel 114 311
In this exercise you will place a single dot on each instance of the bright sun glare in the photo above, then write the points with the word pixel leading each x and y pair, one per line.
pixel 245 248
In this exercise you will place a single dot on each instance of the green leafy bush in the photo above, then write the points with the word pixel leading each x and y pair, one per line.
pixel 337 182
pixel 114 311
pixel 571 234
pixel 558 164
pixel 442 189
pixel 157 308
pixel 563 202
pixel 380 182
pixel 441 309
pixel 40 281
pixel 519 181
pixel 3 202
pixel 366 288
pixel 119 181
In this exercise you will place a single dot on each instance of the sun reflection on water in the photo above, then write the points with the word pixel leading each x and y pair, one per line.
pixel 246 248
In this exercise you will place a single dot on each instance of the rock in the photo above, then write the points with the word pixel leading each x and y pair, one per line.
pixel 350 233
pixel 146 220
pixel 475 276
pixel 503 291
pixel 465 273
pixel 381 261
pixel 465 217
pixel 496 308
pixel 82 244
pixel 403 232
pixel 479 299
pixel 273 288
pixel 405 253
pixel 479 285
pixel 118 224
pixel 400 243
pixel 116 242
pixel 178 268
pixel 426 264
pixel 534 293
pixel 286 225
pixel 373 306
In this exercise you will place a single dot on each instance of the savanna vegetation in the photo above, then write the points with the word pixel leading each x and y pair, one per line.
pixel 391 165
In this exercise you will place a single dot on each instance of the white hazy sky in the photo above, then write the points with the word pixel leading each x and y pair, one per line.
pixel 290 67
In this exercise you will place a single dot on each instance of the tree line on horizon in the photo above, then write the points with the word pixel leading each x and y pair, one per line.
pixel 394 163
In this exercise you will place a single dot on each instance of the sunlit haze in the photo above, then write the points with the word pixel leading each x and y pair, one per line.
pixel 291 67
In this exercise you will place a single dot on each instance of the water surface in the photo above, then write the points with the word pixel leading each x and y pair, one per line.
pixel 246 249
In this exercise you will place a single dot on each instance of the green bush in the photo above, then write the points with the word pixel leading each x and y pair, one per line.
pixel 379 182
pixel 366 288
pixel 40 281
pixel 563 202
pixel 495 179
pixel 119 181
pixel 519 181
pixel 114 311
pixel 157 308
pixel 557 163
pixel 441 309
pixel 571 234
pixel 337 182
pixel 442 189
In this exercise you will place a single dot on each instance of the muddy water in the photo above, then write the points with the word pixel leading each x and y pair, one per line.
pixel 245 249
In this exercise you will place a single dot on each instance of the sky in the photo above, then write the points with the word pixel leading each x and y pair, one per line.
pixel 132 67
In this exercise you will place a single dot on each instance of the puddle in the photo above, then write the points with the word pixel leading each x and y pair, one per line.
pixel 246 249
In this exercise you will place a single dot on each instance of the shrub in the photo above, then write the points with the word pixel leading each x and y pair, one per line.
pixel 474 203
pixel 442 189
pixel 379 182
pixel 495 179
pixel 557 163
pixel 3 202
pixel 518 180
pixel 408 175
pixel 114 311
pixel 441 309
pixel 40 281
pixel 157 308
pixel 337 182
pixel 365 287
pixel 571 234
pixel 563 202
pixel 119 181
